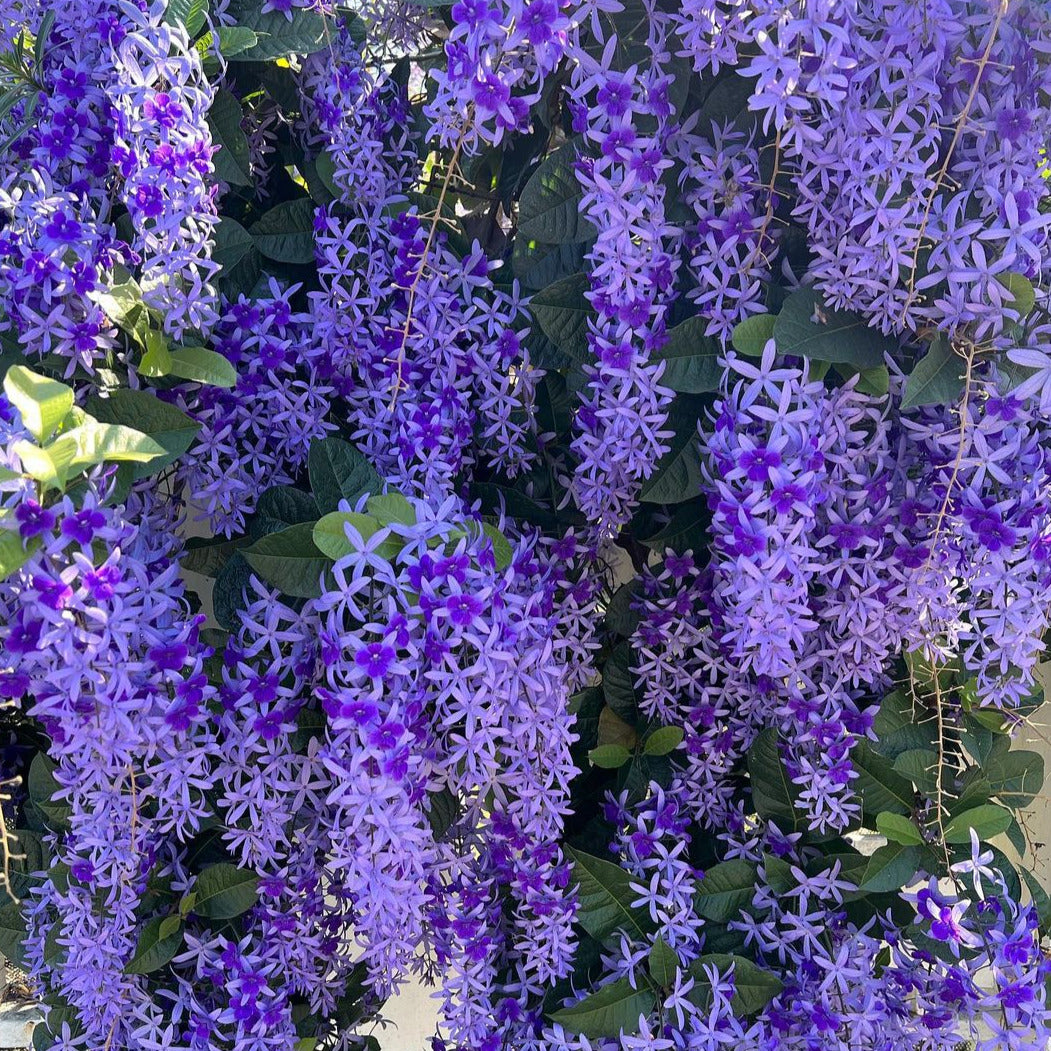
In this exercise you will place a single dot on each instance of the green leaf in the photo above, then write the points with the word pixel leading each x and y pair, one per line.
pixel 562 313
pixel 228 595
pixel 773 794
pixel 538 265
pixel 677 475
pixel 290 561
pixel 726 890
pixel 618 683
pixel 920 766
pixel 208 555
pixel 663 740
pixel 609 756
pixel 154 949
pixel 549 209
pixel 224 891
pixel 42 786
pixel 613 1009
pixel 1040 898
pixel 809 329
pixel 339 472
pixel 330 534
pixel 231 40
pixel 278 36
pixel 691 359
pixel 50 472
pixel 286 232
pixel 284 505
pixel 388 508
pixel 936 379
pixel 988 820
pixel 13 934
pixel 168 426
pixel 881 789
pixel 200 365
pixel 14 554
pixel 93 443
pixel 232 243
pixel 122 303
pixel 890 868
pixel 754 988
pixel 503 553
pixel 42 403
pixel 233 160
pixel 752 335
pixel 156 359
pixel 1015 777
pixel 605 897
pixel 899 829
pixel 186 13
pixel 663 962
pixel 1022 293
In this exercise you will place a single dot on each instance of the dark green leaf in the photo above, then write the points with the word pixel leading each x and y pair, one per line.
pixel 662 963
pixel 143 411
pixel 898 829
pixel 988 820
pixel 618 683
pixel 880 787
pixel 443 811
pixel 773 793
pixel 605 898
pixel 1016 778
pixel 614 1009
pixel 12 934
pixel 233 163
pixel 339 472
pixel 920 766
pixel 42 787
pixel 290 561
pixel 691 359
pixel 807 328
pixel 153 949
pixel 549 209
pixel 228 595
pixel 232 242
pixel 281 506
pixel 936 379
pixel 754 988
pixel 1040 899
pixel 752 335
pixel 727 889
pixel 677 475
pixel 538 265
pixel 278 37
pixel 224 891
pixel 208 555
pixel 890 868
pixel 562 313
pixel 286 232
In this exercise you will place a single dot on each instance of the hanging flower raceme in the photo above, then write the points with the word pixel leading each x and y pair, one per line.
pixel 99 644
pixel 163 150
pixel 259 433
pixel 626 116
pixel 422 347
